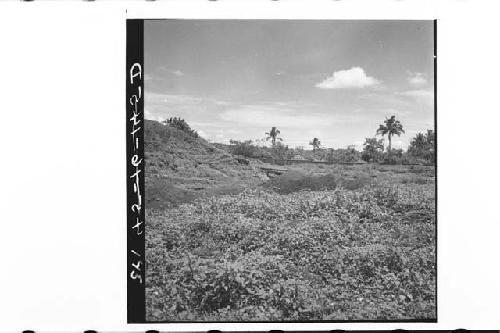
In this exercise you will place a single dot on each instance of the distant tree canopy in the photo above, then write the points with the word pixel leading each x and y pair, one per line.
pixel 421 149
pixel 315 143
pixel 180 124
pixel 373 149
pixel 281 151
pixel 343 155
pixel 423 146
pixel 273 135
pixel 390 127
pixel 244 148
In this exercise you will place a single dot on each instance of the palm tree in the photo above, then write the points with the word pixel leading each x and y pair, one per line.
pixel 273 134
pixel 315 143
pixel 419 141
pixel 391 127
pixel 422 145
pixel 430 139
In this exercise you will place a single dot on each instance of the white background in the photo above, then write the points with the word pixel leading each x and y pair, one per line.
pixel 62 157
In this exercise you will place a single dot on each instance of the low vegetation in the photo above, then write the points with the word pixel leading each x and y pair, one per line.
pixel 295 181
pixel 182 125
pixel 298 250
pixel 320 241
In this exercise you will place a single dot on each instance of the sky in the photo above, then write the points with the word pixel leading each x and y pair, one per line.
pixel 331 79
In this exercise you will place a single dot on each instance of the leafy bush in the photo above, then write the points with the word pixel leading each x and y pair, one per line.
pixel 372 150
pixel 397 156
pixel 280 152
pixel 423 146
pixel 243 148
pixel 309 255
pixel 182 125
pixel 344 156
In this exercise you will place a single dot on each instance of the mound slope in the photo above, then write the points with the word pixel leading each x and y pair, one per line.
pixel 181 167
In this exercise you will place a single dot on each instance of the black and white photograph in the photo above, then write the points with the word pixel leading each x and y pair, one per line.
pixel 249 166
pixel 290 170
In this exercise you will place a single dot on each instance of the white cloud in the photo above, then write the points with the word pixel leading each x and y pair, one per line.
pixel 417 79
pixel 182 100
pixel 423 96
pixel 350 78
pixel 178 73
pixel 150 116
pixel 396 144
pixel 358 145
pixel 188 107
pixel 269 115
pixel 203 134
pixel 420 93
pixel 392 111
pixel 222 103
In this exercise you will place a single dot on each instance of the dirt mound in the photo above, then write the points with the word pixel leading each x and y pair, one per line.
pixel 181 167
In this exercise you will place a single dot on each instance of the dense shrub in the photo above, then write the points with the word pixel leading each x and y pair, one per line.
pixel 344 156
pixel 372 150
pixel 396 156
pixel 422 146
pixel 182 125
pixel 280 151
pixel 156 133
pixel 310 255
pixel 243 148
pixel 403 158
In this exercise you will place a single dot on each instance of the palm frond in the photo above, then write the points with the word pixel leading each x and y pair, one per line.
pixel 382 130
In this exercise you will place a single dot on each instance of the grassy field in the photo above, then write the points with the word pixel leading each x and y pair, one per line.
pixel 321 242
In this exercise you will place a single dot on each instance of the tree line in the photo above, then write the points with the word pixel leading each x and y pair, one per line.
pixel 421 146
pixel 420 150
